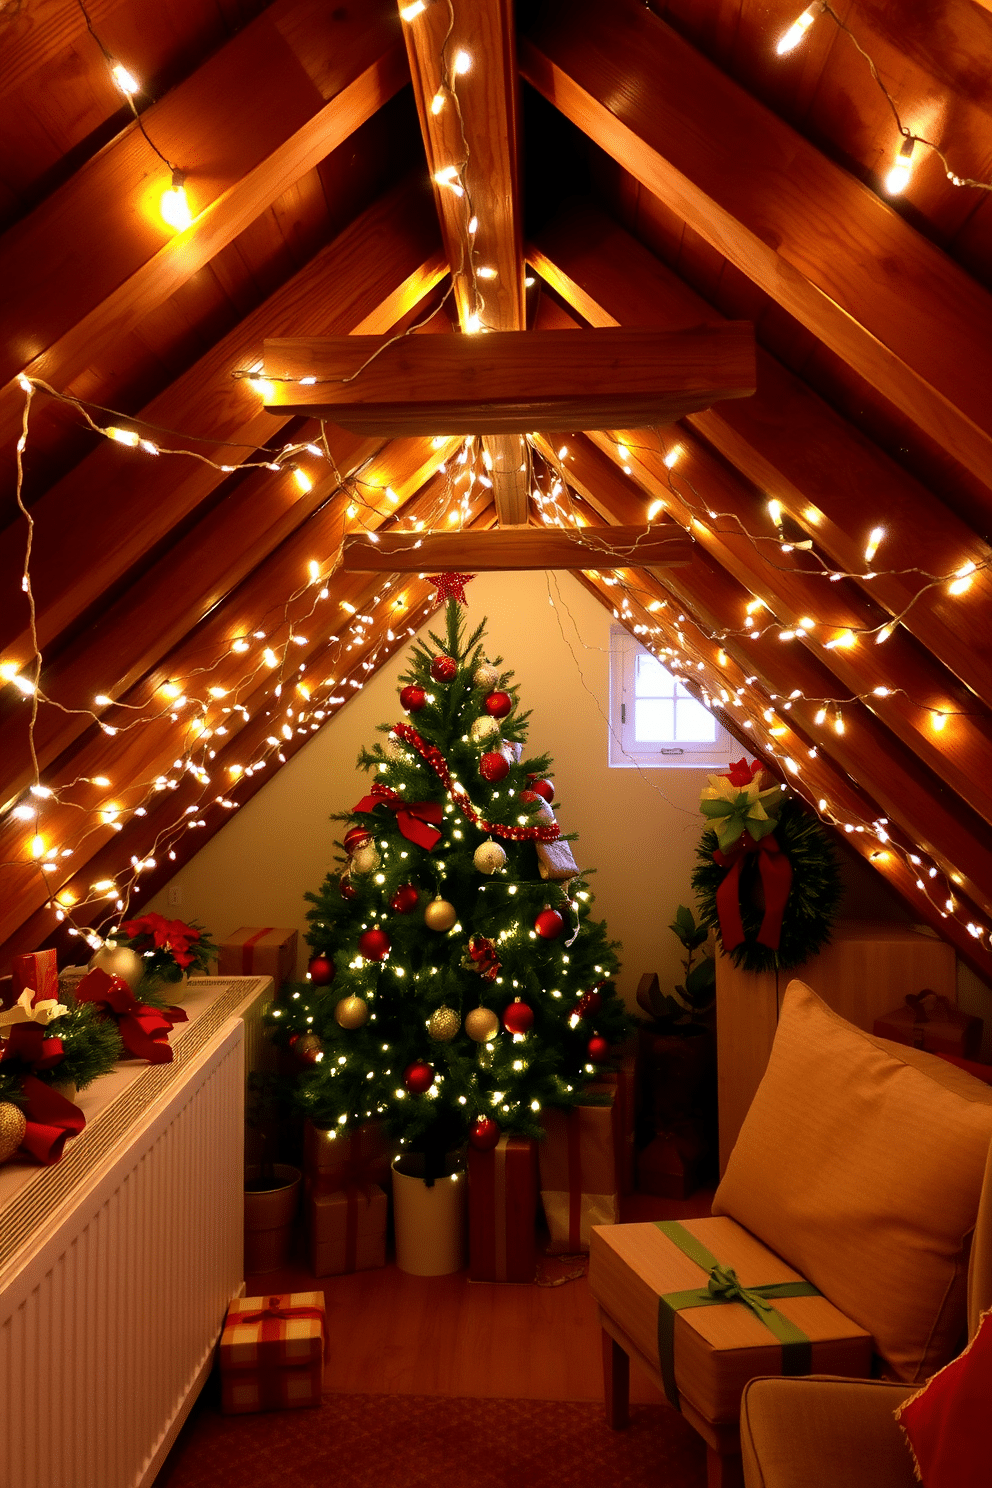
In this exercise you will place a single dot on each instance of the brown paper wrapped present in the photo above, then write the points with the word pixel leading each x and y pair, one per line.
pixel 502 1206
pixel 698 1337
pixel 929 1021
pixel 334 1159
pixel 259 951
pixel 578 1163
pixel 623 1083
pixel 272 1352
pixel 346 1231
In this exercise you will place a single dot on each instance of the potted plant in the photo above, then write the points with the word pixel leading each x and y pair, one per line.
pixel 272 1189
pixel 171 951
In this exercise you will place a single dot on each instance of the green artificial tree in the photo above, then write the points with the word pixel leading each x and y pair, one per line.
pixel 454 992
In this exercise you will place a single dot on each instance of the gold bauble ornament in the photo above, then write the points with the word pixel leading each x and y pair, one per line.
pixel 440 915
pixel 13 1125
pixel 365 859
pixel 485 675
pixel 119 961
pixel 489 857
pixel 481 1024
pixel 443 1024
pixel 351 1012
pixel 483 728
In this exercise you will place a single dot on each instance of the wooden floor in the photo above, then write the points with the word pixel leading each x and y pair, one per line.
pixel 391 1333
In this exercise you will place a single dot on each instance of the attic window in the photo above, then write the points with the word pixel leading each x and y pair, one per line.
pixel 654 719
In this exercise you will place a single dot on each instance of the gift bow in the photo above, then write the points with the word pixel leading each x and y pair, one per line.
pixel 51 1119
pixel 483 953
pixel 776 879
pixel 144 1030
pixel 417 820
pixel 735 805
pixel 725 1284
pixel 916 1001
pixel 275 1312
pixel 29 1043
pixel 42 1011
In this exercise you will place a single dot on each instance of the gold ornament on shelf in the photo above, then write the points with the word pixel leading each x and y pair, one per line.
pixel 481 1024
pixel 13 1125
pixel 484 728
pixel 485 675
pixel 365 859
pixel 119 961
pixel 489 857
pixel 440 915
pixel 351 1012
pixel 443 1024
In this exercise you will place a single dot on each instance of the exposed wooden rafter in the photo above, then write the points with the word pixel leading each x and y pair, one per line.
pixel 524 548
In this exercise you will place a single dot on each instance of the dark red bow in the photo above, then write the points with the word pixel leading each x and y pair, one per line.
pixel 29 1043
pixel 776 879
pixel 483 953
pixel 144 1030
pixel 51 1119
pixel 275 1312
pixel 413 818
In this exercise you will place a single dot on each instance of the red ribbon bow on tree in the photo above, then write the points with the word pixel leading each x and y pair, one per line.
pixel 51 1119
pixel 776 879
pixel 413 818
pixel 144 1030
pixel 483 953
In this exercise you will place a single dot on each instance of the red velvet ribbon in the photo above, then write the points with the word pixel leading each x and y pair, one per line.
pixel 275 1312
pixel 144 1030
pixel 483 952
pixel 417 820
pixel 776 879
pixel 51 1120
pixel 29 1043
pixel 248 949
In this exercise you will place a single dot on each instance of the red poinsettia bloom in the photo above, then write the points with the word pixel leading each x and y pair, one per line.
pixel 741 773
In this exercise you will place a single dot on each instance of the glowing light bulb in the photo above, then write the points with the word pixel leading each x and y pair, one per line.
pixel 775 511
pixel 673 456
pixel 486 273
pixel 962 580
pixel 175 207
pixel 263 386
pixel 938 719
pixel 473 323
pixel 883 634
pixel 411 12
pixel 790 39
pixel 123 436
pixel 437 102
pixel 898 178
pixel 126 81
pixel 37 847
pixel 874 538
pixel 461 64
pixel 302 479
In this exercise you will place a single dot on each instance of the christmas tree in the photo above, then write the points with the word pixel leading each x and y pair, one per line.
pixel 458 985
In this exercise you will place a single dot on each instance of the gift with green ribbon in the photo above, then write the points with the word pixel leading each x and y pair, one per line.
pixel 723 1287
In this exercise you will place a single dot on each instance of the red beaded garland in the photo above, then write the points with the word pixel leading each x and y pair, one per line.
pixel 418 1077
pixel 494 768
pixel 598 1050
pixel 518 1018
pixel 497 704
pixel 356 837
pixel 374 944
pixel 484 1134
pixel 321 970
pixel 405 900
pixel 444 669
pixel 549 924
pixel 413 699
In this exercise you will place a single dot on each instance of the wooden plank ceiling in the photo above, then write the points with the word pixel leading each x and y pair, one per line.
pixel 187 622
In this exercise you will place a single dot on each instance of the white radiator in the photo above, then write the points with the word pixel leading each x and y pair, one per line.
pixel 113 1292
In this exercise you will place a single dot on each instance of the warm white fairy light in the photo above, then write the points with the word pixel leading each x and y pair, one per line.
pixel 125 79
pixel 874 538
pixel 174 206
pixel 411 12
pixel 791 38
pixel 898 177
pixel 962 580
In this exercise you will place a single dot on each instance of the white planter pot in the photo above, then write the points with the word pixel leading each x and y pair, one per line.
pixel 430 1222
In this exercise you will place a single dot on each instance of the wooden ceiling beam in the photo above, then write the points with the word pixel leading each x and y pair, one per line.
pixel 101 518
pixel 481 138
pixel 832 481
pixel 823 245
pixel 910 794
pixel 95 258
pixel 524 548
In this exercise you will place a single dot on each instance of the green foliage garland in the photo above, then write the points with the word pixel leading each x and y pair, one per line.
pixel 91 1047
pixel 813 895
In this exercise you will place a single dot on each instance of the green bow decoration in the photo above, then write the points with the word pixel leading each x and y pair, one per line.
pixel 734 809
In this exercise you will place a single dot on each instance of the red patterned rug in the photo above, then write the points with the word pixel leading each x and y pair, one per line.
pixel 422 1441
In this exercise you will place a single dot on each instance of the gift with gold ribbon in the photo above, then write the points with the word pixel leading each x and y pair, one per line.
pixel 502 1209
pixel 417 820
pixel 144 1030
pixel 272 1352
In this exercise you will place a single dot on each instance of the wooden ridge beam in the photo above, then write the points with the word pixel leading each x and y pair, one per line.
pixel 95 258
pixel 117 503
pixel 516 548
pixel 910 794
pixel 824 246
pixel 830 479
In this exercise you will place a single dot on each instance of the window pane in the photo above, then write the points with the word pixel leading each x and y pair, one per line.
pixel 693 724
pixel 651 679
pixel 654 721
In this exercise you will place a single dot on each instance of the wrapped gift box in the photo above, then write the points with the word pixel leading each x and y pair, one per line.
pixel 346 1231
pixel 706 1351
pixel 272 1352
pixel 578 1162
pixel 37 972
pixel 334 1159
pixel 502 1209
pixel 254 951
pixel 929 1021
pixel 622 1082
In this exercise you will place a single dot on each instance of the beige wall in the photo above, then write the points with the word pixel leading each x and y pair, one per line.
pixel 638 831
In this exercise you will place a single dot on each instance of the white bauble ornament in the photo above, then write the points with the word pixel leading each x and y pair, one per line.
pixel 485 675
pixel 365 859
pixel 489 857
pixel 119 961
pixel 484 728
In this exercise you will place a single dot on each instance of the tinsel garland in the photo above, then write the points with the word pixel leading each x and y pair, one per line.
pixel 814 894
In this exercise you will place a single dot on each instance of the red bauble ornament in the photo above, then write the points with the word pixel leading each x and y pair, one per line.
pixel 494 768
pixel 484 1134
pixel 412 699
pixel 444 669
pixel 347 889
pixel 542 787
pixel 321 970
pixel 598 1050
pixel 497 704
pixel 356 837
pixel 405 900
pixel 418 1077
pixel 373 944
pixel 518 1018
pixel 549 924
pixel 528 797
pixel 589 1002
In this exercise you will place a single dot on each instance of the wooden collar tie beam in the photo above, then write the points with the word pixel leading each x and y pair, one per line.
pixel 510 382
pixel 509 548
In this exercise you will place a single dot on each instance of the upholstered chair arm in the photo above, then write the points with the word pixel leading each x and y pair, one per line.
pixel 821 1431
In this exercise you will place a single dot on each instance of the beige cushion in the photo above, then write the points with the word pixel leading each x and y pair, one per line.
pixel 861 1163
pixel 824 1433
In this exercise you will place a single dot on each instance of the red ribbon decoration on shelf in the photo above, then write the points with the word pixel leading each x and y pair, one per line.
pixel 776 879
pixel 433 756
pixel 51 1118
pixel 417 820
pixel 29 1043
pixel 144 1030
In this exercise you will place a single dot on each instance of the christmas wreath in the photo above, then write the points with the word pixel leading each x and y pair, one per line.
pixel 767 880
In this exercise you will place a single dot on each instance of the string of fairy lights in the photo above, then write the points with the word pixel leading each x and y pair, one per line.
pixel 281 689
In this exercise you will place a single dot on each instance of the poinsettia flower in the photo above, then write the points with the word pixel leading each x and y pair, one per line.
pixel 734 810
pixel 740 773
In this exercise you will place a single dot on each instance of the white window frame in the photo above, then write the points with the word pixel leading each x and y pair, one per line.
pixel 624 750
